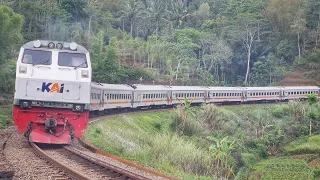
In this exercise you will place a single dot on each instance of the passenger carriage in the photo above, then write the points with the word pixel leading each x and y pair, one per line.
pixel 225 94
pixel 116 97
pixel 193 94
pixel 299 92
pixel 263 94
pixel 150 95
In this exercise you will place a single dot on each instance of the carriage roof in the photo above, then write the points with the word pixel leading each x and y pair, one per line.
pixel 187 88
pixel 225 88
pixel 301 88
pixel 119 87
pixel 141 87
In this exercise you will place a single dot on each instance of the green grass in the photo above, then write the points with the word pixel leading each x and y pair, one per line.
pixel 5 116
pixel 282 168
pixel 147 138
pixel 304 145
pixel 176 142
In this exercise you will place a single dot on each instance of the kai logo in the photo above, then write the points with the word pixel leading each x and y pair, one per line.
pixel 52 87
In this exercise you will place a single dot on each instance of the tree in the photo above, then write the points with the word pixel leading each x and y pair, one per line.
pixel 10 35
pixel 10 31
pixel 313 114
pixel 299 25
pixel 133 10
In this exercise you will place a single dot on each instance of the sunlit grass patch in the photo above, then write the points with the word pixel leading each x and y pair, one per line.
pixel 282 168
pixel 305 145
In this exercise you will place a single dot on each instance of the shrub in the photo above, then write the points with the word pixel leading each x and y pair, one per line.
pixel 317 173
pixel 172 149
pixel 280 111
pixel 312 98
pixel 217 118
pixel 249 159
pixel 242 174
pixel 297 110
pixel 184 123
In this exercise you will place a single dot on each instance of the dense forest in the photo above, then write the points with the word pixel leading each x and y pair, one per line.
pixel 189 42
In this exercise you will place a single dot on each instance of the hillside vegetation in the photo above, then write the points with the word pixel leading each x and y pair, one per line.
pixel 185 42
pixel 236 142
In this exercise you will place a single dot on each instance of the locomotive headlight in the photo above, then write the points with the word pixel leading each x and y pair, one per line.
pixel 59 46
pixel 37 43
pixel 23 69
pixel 51 45
pixel 77 107
pixel 25 104
pixel 73 46
pixel 84 74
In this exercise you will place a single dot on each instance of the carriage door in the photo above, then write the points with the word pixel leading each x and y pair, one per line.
pixel 245 96
pixel 102 100
pixel 283 95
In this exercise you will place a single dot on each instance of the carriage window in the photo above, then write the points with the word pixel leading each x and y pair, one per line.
pixel 72 60
pixel 37 57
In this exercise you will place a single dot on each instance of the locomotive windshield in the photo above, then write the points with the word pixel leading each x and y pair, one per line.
pixel 36 57
pixel 72 60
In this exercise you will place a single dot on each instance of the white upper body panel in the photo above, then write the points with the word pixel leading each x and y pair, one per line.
pixel 52 74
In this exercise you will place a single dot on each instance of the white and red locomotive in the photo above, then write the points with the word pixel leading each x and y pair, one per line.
pixel 52 91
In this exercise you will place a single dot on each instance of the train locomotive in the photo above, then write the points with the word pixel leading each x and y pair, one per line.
pixel 54 96
pixel 52 91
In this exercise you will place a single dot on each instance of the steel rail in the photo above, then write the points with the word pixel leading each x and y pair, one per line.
pixel 70 171
pixel 106 165
pixel 126 162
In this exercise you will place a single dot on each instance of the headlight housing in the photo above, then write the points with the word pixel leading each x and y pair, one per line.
pixel 25 104
pixel 23 69
pixel 85 74
pixel 77 108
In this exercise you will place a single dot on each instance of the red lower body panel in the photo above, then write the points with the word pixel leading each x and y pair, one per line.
pixel 33 123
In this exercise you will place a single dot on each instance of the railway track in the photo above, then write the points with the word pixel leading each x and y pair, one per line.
pixel 81 165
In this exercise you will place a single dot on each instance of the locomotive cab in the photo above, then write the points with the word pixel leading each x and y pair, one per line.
pixel 52 91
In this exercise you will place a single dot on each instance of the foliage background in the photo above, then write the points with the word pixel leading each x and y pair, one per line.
pixel 183 42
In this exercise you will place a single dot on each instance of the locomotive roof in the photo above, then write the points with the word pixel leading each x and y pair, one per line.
pixel 112 86
pixel 30 45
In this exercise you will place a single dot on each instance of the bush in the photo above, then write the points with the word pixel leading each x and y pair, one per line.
pixel 249 159
pixel 297 111
pixel 312 98
pixel 217 118
pixel 172 149
pixel 184 123
pixel 317 173
pixel 242 174
pixel 280 111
